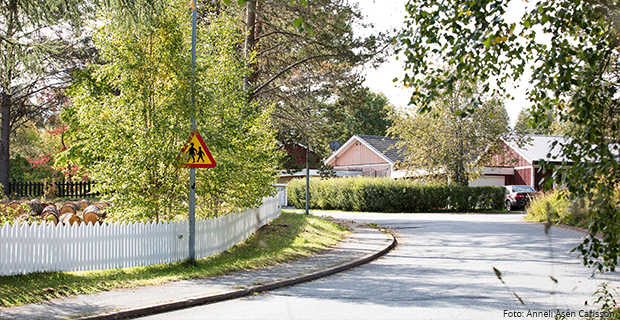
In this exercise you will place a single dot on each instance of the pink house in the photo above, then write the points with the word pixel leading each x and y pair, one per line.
pixel 369 156
pixel 375 156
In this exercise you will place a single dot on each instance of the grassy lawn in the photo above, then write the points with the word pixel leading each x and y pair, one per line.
pixel 289 237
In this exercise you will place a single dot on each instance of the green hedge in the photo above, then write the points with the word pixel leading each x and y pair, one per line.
pixel 389 195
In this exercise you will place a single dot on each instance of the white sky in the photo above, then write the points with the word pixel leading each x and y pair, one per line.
pixel 389 14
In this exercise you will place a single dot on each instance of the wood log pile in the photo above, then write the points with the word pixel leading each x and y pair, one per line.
pixel 67 213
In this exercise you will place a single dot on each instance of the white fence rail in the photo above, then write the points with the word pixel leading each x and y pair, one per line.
pixel 39 248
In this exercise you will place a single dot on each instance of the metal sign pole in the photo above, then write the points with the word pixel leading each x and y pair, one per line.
pixel 192 215
pixel 192 171
pixel 307 179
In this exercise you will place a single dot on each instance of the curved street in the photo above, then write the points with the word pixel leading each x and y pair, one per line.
pixel 441 269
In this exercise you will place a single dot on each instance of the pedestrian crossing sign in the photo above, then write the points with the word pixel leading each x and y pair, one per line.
pixel 195 154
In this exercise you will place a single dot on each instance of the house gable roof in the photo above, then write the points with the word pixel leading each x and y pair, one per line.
pixel 538 147
pixel 383 146
pixel 378 144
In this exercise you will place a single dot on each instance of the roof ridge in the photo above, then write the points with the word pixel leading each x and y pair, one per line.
pixel 545 135
pixel 373 136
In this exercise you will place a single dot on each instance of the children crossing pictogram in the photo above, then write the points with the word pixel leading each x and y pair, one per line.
pixel 196 154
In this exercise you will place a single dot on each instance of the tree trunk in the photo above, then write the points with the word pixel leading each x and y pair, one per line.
pixel 68 208
pixel 257 32
pixel 91 215
pixel 103 206
pixel 250 41
pixel 5 130
pixel 461 175
pixel 16 205
pixel 84 203
pixel 50 213
pixel 70 218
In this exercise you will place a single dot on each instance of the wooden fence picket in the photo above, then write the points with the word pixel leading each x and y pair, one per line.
pixel 49 247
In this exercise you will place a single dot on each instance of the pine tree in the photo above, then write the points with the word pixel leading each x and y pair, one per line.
pixel 40 45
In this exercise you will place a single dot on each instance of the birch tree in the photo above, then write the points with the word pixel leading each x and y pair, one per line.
pixel 131 117
pixel 450 139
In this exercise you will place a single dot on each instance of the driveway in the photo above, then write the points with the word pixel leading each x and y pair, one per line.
pixel 441 269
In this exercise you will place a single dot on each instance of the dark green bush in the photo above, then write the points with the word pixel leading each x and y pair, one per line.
pixel 388 195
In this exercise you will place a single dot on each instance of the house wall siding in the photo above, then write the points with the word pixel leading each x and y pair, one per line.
pixel 507 157
pixel 523 177
pixel 357 154
pixel 526 172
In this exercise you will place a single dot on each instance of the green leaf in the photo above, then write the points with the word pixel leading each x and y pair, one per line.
pixel 241 3
pixel 310 30
pixel 487 42
pixel 226 2
pixel 298 22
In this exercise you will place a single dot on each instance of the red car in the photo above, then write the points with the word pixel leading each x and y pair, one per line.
pixel 518 196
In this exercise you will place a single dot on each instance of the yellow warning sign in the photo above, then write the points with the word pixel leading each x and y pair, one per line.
pixel 196 154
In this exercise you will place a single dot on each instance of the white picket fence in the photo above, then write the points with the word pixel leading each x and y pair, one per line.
pixel 38 248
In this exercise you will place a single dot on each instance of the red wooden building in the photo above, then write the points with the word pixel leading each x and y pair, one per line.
pixel 519 164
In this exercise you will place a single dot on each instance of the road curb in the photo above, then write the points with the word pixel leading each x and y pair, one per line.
pixel 186 303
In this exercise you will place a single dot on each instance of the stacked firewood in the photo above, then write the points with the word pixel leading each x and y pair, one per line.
pixel 67 213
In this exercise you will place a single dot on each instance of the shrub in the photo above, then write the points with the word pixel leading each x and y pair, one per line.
pixel 551 205
pixel 547 205
pixel 295 192
pixel 389 195
pixel 558 208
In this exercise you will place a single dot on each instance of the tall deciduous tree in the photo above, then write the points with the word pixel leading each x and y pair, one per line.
pixel 131 117
pixel 450 139
pixel 574 74
pixel 38 49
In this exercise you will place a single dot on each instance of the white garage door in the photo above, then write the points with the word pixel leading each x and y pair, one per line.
pixel 497 181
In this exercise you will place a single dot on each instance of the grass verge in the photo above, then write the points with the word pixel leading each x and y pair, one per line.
pixel 325 212
pixel 291 236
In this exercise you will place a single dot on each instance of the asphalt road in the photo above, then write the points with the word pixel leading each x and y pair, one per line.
pixel 441 269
